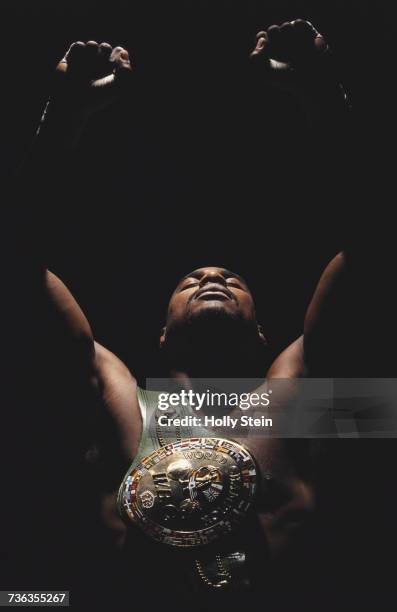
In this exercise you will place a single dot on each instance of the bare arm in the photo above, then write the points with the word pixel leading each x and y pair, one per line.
pixel 88 78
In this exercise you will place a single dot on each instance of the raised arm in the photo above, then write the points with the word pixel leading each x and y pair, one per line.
pixel 48 330
pixel 77 381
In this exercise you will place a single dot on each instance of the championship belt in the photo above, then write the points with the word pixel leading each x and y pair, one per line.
pixel 194 494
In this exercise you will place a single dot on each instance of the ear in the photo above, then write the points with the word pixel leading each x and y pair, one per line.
pixel 163 336
pixel 261 335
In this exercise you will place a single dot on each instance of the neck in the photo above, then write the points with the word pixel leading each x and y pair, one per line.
pixel 209 360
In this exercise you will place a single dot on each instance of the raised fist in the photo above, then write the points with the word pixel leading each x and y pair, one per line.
pixel 91 76
pixel 293 45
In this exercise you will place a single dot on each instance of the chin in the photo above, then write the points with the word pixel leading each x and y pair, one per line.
pixel 214 312
pixel 212 308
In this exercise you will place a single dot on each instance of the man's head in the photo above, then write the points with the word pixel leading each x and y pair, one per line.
pixel 211 310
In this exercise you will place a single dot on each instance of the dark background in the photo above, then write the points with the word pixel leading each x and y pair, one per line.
pixel 202 165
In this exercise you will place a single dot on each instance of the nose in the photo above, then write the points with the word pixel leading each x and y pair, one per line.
pixel 212 276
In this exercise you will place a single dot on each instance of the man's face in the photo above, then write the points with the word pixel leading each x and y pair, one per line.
pixel 210 291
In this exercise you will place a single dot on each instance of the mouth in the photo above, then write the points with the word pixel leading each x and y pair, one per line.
pixel 214 292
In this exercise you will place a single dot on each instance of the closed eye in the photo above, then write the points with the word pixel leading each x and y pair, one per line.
pixel 235 284
pixel 189 286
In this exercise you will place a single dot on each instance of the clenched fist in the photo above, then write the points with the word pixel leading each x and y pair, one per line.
pixel 91 76
pixel 293 45
pixel 295 57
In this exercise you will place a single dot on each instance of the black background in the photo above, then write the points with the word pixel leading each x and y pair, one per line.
pixel 202 166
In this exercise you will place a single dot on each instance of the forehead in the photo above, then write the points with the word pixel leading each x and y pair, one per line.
pixel 200 272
